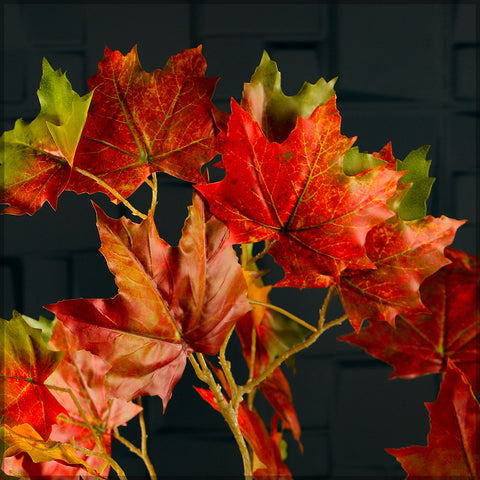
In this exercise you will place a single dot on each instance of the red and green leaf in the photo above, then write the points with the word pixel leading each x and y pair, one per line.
pixel 452 450
pixel 275 112
pixel 141 123
pixel 404 254
pixel 25 365
pixel 36 158
pixel 296 196
pixel 83 374
pixel 171 301
pixel 423 343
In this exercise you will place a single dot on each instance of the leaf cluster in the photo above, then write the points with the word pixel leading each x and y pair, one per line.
pixel 353 224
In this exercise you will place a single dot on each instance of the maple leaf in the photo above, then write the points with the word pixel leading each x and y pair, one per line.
pixel 267 461
pixel 25 365
pixel 404 254
pixel 141 123
pixel 413 190
pixel 423 343
pixel 24 439
pixel 36 158
pixel 405 249
pixel 171 301
pixel 296 196
pixel 275 112
pixel 453 439
pixel 83 374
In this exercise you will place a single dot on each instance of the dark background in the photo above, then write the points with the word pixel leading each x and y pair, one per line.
pixel 407 74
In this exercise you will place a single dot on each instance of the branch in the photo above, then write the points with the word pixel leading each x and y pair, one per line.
pixel 226 367
pixel 228 412
pixel 251 384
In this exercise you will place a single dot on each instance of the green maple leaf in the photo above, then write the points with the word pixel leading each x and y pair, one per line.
pixel 274 111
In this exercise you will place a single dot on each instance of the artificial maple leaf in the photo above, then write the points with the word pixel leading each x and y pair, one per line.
pixel 36 158
pixel 171 301
pixel 25 439
pixel 296 196
pixel 25 365
pixel 267 461
pixel 413 190
pixel 274 111
pixel 83 374
pixel 404 254
pixel 141 123
pixel 423 343
pixel 452 450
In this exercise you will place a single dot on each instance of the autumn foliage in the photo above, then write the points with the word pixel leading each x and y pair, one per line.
pixel 354 224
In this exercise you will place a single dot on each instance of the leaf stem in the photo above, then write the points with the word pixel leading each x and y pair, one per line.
pixel 112 191
pixel 253 353
pixel 154 187
pixel 284 312
pixel 268 245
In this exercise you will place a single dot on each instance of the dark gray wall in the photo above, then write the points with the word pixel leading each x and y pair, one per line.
pixel 406 75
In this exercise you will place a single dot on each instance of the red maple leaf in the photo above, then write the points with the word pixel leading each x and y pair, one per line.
pixel 452 450
pixel 25 365
pixel 423 343
pixel 140 123
pixel 404 254
pixel 171 301
pixel 296 195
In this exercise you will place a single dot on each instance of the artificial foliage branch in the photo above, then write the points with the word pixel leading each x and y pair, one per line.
pixel 349 223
